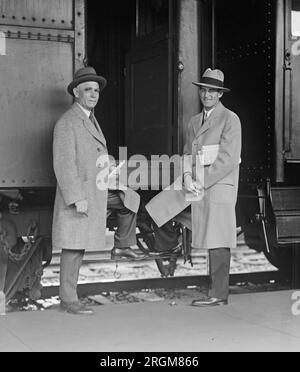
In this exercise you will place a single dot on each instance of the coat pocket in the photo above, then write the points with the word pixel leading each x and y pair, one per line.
pixel 71 209
pixel 222 194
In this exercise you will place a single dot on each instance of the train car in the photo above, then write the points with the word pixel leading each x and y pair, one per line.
pixel 256 43
pixel 150 51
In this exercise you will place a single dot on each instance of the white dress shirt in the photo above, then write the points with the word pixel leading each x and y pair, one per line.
pixel 87 112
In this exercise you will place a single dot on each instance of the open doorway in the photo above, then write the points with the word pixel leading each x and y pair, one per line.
pixel 130 43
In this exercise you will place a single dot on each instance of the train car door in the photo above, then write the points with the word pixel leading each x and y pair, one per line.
pixel 292 82
pixel 149 79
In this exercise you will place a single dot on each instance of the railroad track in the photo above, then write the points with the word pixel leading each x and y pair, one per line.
pixel 88 289
pixel 178 281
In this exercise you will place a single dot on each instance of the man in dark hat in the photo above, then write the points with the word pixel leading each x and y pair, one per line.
pixel 81 208
pixel 206 202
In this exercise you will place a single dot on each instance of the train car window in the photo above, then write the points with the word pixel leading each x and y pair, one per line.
pixel 151 16
pixel 296 17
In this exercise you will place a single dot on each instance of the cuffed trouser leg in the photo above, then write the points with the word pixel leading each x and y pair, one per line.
pixel 219 267
pixel 70 263
pixel 166 237
pixel 125 235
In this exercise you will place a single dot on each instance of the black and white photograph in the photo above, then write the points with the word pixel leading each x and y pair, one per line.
pixel 149 179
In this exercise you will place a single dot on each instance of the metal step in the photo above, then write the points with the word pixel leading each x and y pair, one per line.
pixel 286 207
pixel 288 226
pixel 285 198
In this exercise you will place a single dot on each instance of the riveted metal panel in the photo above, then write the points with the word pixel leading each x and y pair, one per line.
pixel 79 22
pixel 247 58
pixel 37 13
pixel 41 42
pixel 33 79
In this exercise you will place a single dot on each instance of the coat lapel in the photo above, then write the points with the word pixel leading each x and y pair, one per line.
pixel 209 122
pixel 99 133
pixel 89 125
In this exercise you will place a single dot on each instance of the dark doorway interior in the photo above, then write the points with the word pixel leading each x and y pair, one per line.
pixel 130 43
pixel 108 42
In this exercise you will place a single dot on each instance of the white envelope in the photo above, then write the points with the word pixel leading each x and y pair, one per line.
pixel 208 154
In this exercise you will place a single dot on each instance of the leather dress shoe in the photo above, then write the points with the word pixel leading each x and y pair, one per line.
pixel 209 301
pixel 126 253
pixel 76 308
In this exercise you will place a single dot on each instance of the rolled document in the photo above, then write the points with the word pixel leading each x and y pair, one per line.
pixel 116 169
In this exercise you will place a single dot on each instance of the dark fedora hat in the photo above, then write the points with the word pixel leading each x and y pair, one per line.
pixel 213 79
pixel 86 74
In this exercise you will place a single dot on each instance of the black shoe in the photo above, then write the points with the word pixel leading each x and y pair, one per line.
pixel 209 301
pixel 126 253
pixel 76 308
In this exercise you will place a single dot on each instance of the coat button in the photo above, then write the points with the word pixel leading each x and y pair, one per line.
pixel 98 149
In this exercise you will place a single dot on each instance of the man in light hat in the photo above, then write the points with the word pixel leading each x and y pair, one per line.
pixel 81 208
pixel 211 217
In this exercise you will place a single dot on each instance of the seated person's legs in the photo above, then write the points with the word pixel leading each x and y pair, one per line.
pixel 125 236
pixel 166 236
pixel 167 240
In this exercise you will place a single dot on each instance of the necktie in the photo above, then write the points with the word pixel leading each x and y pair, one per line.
pixel 204 117
pixel 93 120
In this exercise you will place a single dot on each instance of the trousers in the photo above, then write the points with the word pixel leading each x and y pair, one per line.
pixel 71 260
pixel 166 238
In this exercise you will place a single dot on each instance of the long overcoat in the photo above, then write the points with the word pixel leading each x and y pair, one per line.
pixel 213 218
pixel 77 145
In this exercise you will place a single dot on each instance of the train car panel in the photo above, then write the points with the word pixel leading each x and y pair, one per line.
pixel 32 97
pixel 245 51
pixel 42 42
pixel 57 14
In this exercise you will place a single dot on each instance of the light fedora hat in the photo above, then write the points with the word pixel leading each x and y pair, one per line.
pixel 212 79
pixel 86 74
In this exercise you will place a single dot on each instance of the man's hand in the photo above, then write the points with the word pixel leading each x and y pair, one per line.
pixel 82 207
pixel 113 179
pixel 190 185
pixel 114 176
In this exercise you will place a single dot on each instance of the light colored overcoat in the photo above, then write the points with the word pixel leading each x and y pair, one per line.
pixel 77 145
pixel 213 218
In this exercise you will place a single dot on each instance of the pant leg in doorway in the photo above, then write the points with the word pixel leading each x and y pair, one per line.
pixel 125 235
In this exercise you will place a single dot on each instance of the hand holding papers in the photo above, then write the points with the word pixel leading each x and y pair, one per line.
pixel 194 196
pixel 116 170
pixel 194 190
pixel 113 176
